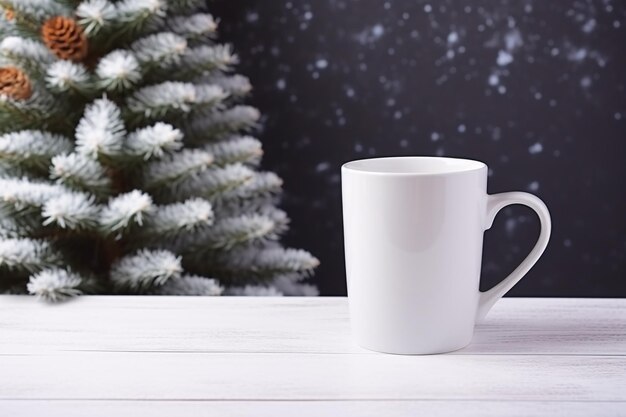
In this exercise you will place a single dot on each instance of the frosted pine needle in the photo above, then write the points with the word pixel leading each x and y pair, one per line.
pixel 126 209
pixel 101 130
pixel 55 284
pixel 93 15
pixel 118 70
pixel 67 75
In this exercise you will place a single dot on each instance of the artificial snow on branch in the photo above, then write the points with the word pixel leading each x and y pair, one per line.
pixel 237 149
pixel 189 285
pixel 32 148
pixel 133 16
pixel 26 53
pixel 145 269
pixel 172 98
pixel 55 284
pixel 159 49
pixel 193 27
pixel 268 262
pixel 68 76
pixel 124 211
pixel 217 125
pixel 72 211
pixel 20 195
pixel 35 10
pixel 81 173
pixel 36 109
pixel 227 233
pixel 14 228
pixel 179 6
pixel 178 218
pixel 210 183
pixel 154 141
pixel 175 168
pixel 290 284
pixel 27 255
pixel 255 291
pixel 118 70
pixel 236 86
pixel 205 58
pixel 101 131
pixel 259 191
pixel 94 15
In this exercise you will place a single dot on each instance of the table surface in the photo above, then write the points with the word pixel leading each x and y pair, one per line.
pixel 232 356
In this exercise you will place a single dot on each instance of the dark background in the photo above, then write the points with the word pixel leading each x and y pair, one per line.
pixel 534 89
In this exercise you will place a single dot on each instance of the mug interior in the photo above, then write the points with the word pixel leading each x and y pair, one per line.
pixel 414 165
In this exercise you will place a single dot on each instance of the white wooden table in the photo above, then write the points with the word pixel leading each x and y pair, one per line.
pixel 193 356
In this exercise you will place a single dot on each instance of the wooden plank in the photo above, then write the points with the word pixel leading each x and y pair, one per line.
pixel 307 325
pixel 284 376
pixel 411 408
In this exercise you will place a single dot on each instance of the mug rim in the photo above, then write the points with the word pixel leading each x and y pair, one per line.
pixel 453 166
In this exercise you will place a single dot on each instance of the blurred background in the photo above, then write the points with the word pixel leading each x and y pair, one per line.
pixel 534 89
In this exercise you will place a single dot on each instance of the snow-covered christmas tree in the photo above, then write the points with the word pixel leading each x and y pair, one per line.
pixel 125 160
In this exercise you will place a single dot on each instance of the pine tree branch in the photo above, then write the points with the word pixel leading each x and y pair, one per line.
pixel 204 127
pixel 16 228
pixel 73 211
pixel 11 25
pixel 261 190
pixel 262 264
pixel 125 211
pixel 69 77
pixel 159 50
pixel 57 284
pixel 95 16
pixel 19 196
pixel 32 148
pixel 175 168
pixel 254 291
pixel 100 133
pixel 204 59
pixel 170 100
pixel 186 6
pixel 118 71
pixel 153 141
pixel 40 111
pixel 80 173
pixel 29 54
pixel 290 284
pixel 226 234
pixel 208 184
pixel 35 10
pixel 134 16
pixel 146 269
pixel 175 219
pixel 189 285
pixel 237 149
pixel 237 86
pixel 25 255
pixel 198 26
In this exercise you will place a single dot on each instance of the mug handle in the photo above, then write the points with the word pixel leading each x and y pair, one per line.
pixel 495 203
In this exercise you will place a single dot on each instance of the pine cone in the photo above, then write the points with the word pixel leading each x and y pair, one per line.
pixel 9 14
pixel 64 38
pixel 14 83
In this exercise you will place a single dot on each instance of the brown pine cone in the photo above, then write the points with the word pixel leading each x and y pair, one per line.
pixel 64 38
pixel 9 14
pixel 14 83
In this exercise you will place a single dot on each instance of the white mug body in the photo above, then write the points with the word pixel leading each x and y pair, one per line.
pixel 413 230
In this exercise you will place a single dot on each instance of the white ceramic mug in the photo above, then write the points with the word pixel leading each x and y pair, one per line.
pixel 413 229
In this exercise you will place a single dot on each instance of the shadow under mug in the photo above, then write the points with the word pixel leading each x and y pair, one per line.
pixel 413 229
